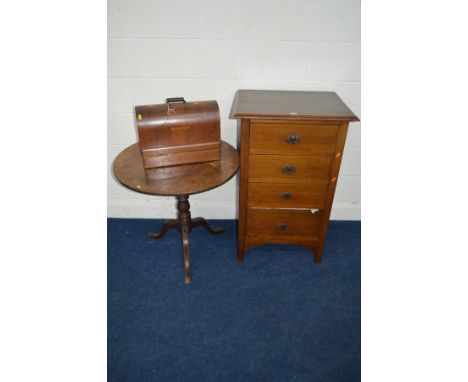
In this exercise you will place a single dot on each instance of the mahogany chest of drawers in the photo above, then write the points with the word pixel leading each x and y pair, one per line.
pixel 291 146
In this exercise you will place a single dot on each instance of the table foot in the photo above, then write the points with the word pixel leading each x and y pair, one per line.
pixel 197 222
pixel 171 223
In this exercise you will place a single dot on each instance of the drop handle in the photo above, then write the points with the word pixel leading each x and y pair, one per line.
pixel 282 226
pixel 293 139
pixel 286 195
pixel 289 169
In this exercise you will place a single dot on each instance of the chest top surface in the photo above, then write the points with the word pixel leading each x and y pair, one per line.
pixel 290 104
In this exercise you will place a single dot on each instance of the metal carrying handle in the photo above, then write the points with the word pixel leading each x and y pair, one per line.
pixel 175 100
pixel 170 101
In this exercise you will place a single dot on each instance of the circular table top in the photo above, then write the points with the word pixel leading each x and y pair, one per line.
pixel 174 180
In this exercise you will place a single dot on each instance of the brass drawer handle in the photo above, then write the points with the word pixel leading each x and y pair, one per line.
pixel 286 196
pixel 289 169
pixel 293 139
pixel 282 226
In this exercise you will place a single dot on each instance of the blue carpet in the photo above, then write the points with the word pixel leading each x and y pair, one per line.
pixel 277 316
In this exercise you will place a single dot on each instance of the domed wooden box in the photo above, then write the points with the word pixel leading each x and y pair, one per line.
pixel 178 132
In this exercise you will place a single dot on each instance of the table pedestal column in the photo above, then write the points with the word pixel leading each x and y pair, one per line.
pixel 183 208
pixel 184 224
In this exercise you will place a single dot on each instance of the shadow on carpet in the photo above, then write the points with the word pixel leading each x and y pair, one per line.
pixel 277 316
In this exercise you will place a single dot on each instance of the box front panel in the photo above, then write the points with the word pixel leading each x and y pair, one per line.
pixel 166 127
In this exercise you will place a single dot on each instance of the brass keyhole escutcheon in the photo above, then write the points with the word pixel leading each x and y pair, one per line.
pixel 282 226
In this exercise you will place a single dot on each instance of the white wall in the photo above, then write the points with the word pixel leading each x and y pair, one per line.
pixel 207 49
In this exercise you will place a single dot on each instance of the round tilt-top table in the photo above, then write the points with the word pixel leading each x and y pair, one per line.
pixel 179 181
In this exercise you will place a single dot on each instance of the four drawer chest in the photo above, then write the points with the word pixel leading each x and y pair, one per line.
pixel 291 146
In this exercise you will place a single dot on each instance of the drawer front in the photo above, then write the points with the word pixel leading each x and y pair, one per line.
pixel 283 195
pixel 289 169
pixel 281 223
pixel 292 139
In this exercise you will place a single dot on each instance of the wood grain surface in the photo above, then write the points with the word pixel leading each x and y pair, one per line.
pixel 290 104
pixel 286 195
pixel 302 169
pixel 292 138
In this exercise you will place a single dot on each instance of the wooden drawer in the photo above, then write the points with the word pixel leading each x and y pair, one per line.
pixel 289 169
pixel 292 139
pixel 286 195
pixel 281 224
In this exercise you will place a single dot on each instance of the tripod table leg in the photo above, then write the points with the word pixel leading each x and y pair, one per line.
pixel 202 222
